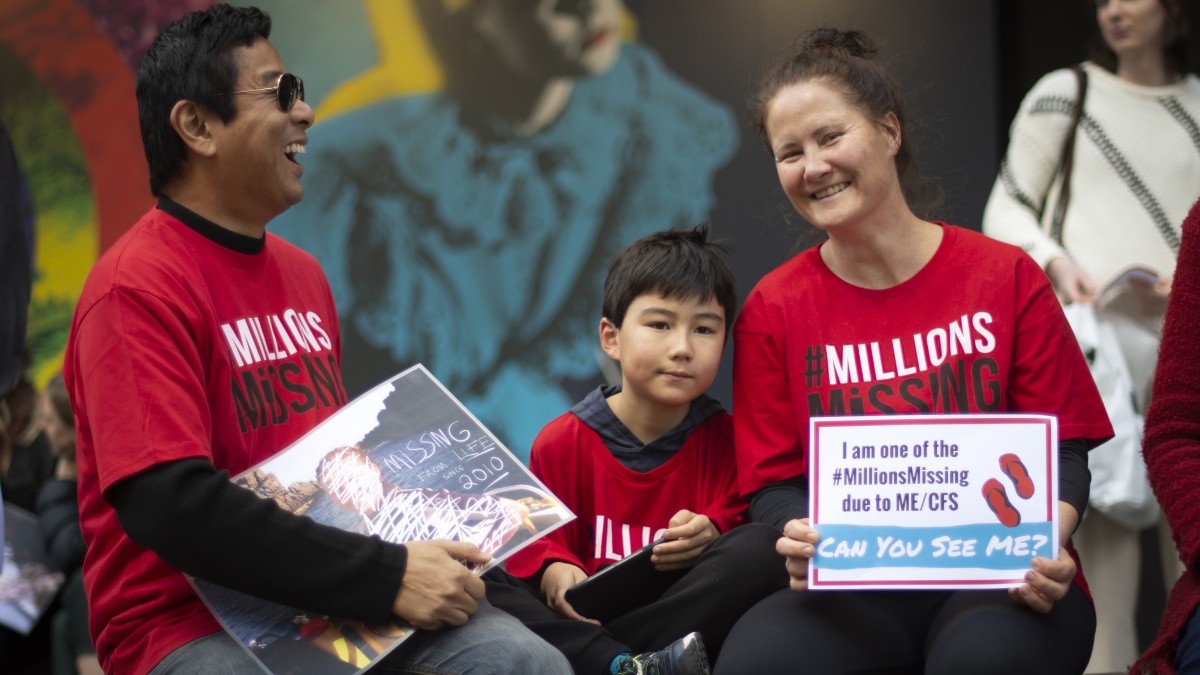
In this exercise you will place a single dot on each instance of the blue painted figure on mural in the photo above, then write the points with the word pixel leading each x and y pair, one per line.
pixel 468 228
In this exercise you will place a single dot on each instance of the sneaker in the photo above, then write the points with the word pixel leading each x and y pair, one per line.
pixel 685 656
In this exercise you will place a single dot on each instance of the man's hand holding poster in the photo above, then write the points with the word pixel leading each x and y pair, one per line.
pixel 931 501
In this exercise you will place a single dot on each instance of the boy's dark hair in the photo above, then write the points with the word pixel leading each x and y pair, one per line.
pixel 676 264
pixel 192 59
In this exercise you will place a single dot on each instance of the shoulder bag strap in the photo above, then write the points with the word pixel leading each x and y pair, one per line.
pixel 1068 157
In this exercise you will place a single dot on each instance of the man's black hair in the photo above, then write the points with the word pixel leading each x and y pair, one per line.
pixel 677 264
pixel 192 59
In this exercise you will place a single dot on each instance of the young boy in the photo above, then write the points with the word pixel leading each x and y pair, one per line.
pixel 653 458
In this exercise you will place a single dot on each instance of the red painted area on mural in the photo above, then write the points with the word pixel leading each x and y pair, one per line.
pixel 60 42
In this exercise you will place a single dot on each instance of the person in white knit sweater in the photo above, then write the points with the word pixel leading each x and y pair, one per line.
pixel 1136 173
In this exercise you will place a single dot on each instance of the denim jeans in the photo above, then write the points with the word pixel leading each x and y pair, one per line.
pixel 490 642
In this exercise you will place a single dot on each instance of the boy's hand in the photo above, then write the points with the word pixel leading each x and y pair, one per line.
pixel 688 534
pixel 797 545
pixel 438 590
pixel 557 578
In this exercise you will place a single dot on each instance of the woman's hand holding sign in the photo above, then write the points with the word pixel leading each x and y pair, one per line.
pixel 1049 580
pixel 797 545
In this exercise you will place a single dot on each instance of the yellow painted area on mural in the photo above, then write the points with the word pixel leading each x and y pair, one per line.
pixel 65 251
pixel 407 64
pixel 41 374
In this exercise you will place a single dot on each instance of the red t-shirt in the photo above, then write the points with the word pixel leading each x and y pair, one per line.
pixel 977 330
pixel 182 348
pixel 619 510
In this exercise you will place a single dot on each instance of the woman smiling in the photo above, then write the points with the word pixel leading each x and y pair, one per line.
pixel 833 121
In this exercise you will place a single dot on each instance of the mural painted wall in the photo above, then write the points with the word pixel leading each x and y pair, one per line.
pixel 68 104
pixel 468 227
pixel 475 162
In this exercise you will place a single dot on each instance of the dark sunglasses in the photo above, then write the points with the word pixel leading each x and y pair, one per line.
pixel 289 90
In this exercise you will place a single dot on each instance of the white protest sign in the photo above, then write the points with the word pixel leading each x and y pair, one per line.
pixel 931 501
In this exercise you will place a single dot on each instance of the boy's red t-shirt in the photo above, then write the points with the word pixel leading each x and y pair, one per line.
pixel 619 510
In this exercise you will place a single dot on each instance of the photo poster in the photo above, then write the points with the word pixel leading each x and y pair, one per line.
pixel 405 461
pixel 931 501
pixel 28 584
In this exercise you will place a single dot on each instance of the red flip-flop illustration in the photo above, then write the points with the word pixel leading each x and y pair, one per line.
pixel 1014 468
pixel 997 501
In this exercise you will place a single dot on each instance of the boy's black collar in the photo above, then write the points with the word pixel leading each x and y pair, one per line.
pixel 595 412
pixel 210 230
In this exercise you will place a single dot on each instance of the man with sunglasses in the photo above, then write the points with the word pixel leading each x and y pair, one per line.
pixel 202 345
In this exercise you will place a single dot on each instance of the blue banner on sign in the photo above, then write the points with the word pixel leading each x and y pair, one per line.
pixel 986 546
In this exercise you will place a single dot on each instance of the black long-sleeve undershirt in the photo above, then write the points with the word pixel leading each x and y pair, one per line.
pixel 196 520
pixel 786 500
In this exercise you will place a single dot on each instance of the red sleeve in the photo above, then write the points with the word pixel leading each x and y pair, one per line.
pixel 139 345
pixel 729 509
pixel 769 446
pixel 552 458
pixel 726 507
pixel 1172 442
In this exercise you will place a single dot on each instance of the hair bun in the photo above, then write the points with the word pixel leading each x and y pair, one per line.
pixel 852 42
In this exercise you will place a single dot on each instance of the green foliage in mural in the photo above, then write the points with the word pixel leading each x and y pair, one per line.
pixel 53 167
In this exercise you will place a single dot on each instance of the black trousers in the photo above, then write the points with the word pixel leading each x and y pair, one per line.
pixel 894 632
pixel 590 648
pixel 736 571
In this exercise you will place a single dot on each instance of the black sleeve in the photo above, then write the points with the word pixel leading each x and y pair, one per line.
pixel 1074 476
pixel 58 519
pixel 780 502
pixel 196 520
